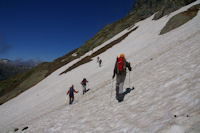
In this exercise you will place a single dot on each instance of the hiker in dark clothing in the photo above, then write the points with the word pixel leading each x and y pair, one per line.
pixel 100 61
pixel 71 94
pixel 84 83
pixel 120 69
pixel 97 59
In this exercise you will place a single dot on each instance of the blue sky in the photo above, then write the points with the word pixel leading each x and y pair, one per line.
pixel 48 29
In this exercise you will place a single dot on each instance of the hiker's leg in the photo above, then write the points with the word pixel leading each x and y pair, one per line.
pixel 117 86
pixel 121 84
pixel 70 100
pixel 83 89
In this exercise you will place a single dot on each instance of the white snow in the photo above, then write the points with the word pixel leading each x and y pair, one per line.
pixel 74 54
pixel 165 86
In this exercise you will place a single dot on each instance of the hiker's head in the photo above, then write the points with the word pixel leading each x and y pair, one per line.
pixel 122 56
pixel 72 86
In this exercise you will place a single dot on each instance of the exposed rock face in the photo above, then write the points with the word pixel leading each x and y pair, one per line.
pixel 180 19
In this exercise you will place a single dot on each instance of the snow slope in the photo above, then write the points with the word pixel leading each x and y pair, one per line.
pixel 166 77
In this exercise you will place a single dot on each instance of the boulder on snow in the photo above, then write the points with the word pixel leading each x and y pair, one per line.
pixel 16 129
pixel 25 128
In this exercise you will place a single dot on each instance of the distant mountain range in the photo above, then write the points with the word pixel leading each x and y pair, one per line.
pixel 20 62
pixel 4 61
pixel 9 68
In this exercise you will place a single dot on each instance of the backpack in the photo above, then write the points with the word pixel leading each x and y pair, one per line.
pixel 71 92
pixel 121 65
pixel 84 82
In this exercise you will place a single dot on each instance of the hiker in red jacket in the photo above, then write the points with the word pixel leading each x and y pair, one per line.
pixel 71 94
pixel 120 69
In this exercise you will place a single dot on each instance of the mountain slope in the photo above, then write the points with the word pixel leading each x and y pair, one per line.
pixel 141 10
pixel 165 75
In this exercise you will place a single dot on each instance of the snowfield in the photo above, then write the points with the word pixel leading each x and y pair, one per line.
pixel 166 98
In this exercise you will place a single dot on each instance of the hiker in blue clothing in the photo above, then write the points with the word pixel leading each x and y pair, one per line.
pixel 71 94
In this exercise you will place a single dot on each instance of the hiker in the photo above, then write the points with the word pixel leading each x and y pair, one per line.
pixel 71 94
pixel 120 70
pixel 83 83
pixel 100 61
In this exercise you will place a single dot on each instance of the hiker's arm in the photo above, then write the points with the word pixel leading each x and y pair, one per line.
pixel 113 76
pixel 75 91
pixel 128 64
pixel 67 92
pixel 114 71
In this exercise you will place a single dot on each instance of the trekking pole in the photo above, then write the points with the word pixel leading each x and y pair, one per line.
pixel 111 92
pixel 129 79
pixel 78 97
pixel 66 100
